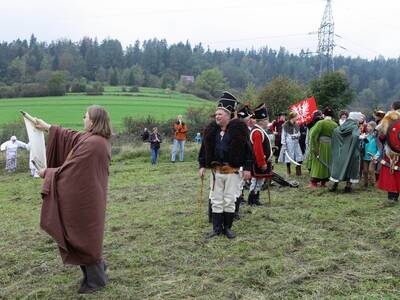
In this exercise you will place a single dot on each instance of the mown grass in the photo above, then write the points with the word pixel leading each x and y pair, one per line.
pixel 307 244
pixel 68 110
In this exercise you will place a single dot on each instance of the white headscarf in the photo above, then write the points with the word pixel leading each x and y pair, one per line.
pixel 356 115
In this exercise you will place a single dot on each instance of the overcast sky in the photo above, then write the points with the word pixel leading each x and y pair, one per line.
pixel 368 27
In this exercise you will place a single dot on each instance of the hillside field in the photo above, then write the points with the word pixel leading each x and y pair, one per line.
pixel 309 244
pixel 68 110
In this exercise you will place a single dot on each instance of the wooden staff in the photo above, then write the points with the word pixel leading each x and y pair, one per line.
pixel 28 117
pixel 200 202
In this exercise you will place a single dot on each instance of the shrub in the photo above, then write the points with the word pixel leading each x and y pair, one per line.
pixel 134 89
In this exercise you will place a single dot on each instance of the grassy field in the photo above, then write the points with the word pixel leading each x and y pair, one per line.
pixel 307 244
pixel 68 110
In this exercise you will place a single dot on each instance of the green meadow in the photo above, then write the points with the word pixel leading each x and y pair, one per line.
pixel 308 244
pixel 68 110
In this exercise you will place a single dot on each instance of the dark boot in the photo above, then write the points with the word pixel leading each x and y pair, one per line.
pixel 257 199
pixel 334 187
pixel 96 278
pixel 241 199
pixel 209 211
pixel 217 220
pixel 228 220
pixel 298 170
pixel 288 171
pixel 251 199
pixel 347 188
pixel 237 206
pixel 393 196
pixel 83 268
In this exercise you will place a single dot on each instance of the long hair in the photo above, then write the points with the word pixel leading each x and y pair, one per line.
pixel 100 121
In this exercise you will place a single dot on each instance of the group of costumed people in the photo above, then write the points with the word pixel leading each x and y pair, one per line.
pixel 237 147
pixel 354 148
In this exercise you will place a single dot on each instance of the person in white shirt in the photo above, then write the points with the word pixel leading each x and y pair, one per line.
pixel 11 148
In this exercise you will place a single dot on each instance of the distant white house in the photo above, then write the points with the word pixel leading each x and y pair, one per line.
pixel 187 79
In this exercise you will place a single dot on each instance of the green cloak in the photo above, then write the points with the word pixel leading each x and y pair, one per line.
pixel 320 144
pixel 346 152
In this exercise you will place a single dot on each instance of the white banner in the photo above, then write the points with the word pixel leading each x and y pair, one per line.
pixel 37 145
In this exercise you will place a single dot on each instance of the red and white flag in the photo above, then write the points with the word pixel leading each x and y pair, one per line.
pixel 304 110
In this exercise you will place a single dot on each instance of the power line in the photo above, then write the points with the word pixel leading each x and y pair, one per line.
pixel 259 38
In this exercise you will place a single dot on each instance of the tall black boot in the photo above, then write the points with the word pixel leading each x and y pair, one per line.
pixel 209 211
pixel 288 171
pixel 237 206
pixel 217 220
pixel 96 278
pixel 257 199
pixel 298 170
pixel 83 268
pixel 228 220
pixel 251 198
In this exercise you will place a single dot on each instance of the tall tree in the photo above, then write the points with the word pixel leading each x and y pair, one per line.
pixel 281 93
pixel 332 89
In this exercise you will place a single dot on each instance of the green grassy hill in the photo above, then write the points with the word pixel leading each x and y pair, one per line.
pixel 309 244
pixel 68 110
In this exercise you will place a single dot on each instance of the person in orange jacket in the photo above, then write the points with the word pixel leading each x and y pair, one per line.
pixel 179 138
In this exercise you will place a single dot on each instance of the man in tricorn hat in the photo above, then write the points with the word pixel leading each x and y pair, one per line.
pixel 262 164
pixel 224 150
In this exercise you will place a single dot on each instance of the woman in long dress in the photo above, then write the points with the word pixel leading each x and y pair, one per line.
pixel 291 150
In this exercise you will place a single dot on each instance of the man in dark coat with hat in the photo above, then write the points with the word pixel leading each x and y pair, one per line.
pixel 247 116
pixel 262 164
pixel 276 128
pixel 224 150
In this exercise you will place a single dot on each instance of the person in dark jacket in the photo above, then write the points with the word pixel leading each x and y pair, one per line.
pixel 145 135
pixel 224 150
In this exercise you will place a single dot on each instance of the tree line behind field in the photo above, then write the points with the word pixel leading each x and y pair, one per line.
pixel 34 68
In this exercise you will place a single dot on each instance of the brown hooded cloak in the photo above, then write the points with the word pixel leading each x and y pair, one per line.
pixel 75 192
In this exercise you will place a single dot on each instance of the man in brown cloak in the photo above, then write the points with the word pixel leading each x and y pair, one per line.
pixel 75 192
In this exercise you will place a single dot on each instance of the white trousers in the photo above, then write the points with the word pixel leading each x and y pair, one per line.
pixel 225 188
pixel 256 184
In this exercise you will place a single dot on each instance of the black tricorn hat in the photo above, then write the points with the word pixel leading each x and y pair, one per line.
pixel 260 112
pixel 227 102
pixel 245 112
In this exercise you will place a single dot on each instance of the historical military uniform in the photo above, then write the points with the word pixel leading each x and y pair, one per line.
pixel 224 152
pixel 262 150
pixel 244 114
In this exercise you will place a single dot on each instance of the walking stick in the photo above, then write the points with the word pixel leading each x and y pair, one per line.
pixel 269 192
pixel 200 202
